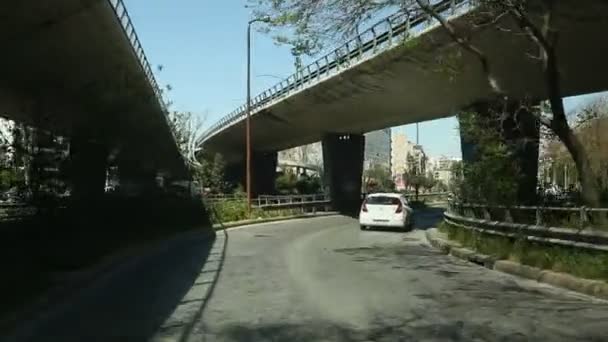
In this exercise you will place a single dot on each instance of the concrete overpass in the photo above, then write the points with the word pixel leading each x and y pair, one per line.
pixel 77 68
pixel 404 70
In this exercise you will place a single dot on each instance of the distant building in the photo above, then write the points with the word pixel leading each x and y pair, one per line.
pixel 441 168
pixel 416 160
pixel 377 149
pixel 400 148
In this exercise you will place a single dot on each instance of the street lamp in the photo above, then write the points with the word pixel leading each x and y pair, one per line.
pixel 273 76
pixel 247 120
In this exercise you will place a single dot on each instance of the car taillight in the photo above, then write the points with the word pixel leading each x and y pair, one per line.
pixel 364 207
pixel 399 208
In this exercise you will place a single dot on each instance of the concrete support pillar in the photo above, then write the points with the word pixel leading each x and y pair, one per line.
pixel 234 174
pixel 135 177
pixel 517 127
pixel 263 173
pixel 89 164
pixel 343 163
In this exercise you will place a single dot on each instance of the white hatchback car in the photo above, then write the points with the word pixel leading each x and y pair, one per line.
pixel 386 210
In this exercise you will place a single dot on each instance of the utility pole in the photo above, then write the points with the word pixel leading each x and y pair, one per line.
pixel 248 119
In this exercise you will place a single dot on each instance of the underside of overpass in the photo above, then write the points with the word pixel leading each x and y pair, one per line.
pixel 427 78
pixel 68 67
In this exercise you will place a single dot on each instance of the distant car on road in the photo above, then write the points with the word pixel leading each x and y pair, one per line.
pixel 386 210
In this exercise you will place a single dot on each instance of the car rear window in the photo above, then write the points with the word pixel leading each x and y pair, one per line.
pixel 382 200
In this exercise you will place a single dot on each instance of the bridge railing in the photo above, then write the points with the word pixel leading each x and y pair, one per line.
pixel 571 226
pixel 125 20
pixel 382 36
pixel 129 30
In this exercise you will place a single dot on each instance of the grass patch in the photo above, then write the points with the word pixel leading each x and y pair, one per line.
pixel 579 262
pixel 230 211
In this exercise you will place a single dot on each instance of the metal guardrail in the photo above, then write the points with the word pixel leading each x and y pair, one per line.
pixel 10 212
pixel 426 196
pixel 265 202
pixel 274 201
pixel 574 227
pixel 567 217
pixel 371 42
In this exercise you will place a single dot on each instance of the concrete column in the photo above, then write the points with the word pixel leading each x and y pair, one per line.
pixel 136 178
pixel 343 170
pixel 263 173
pixel 234 174
pixel 519 130
pixel 89 164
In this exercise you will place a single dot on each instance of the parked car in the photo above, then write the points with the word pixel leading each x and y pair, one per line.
pixel 386 210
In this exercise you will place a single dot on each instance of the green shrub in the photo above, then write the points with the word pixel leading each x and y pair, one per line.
pixel 230 211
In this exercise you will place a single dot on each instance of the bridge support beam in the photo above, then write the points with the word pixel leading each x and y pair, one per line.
pixel 343 164
pixel 514 126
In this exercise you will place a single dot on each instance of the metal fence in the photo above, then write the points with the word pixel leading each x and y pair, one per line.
pixel 382 36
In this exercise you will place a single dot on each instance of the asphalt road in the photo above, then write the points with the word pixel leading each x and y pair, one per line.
pixel 325 280
pixel 318 279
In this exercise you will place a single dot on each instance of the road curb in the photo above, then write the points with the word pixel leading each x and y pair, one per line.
pixel 595 288
pixel 234 224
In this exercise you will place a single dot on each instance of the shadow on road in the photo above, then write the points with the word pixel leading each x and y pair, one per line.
pixel 428 218
pixel 423 219
pixel 182 324
pixel 412 328
pixel 135 300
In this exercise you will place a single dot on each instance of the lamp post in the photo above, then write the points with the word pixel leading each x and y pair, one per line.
pixel 247 120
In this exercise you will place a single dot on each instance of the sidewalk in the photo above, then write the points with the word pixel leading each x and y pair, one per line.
pixel 69 285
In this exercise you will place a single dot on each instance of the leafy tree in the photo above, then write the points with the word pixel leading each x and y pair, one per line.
pixel 493 177
pixel 309 25
pixel 211 172
pixel 429 182
pixel 378 178
pixel 441 186
pixel 415 181
pixel 286 183
pixel 591 123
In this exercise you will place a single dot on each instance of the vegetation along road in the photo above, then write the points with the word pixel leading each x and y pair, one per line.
pixel 320 279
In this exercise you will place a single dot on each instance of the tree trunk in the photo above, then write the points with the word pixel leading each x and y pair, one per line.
pixel 589 188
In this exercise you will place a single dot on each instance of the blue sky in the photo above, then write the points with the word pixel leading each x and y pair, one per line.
pixel 201 45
